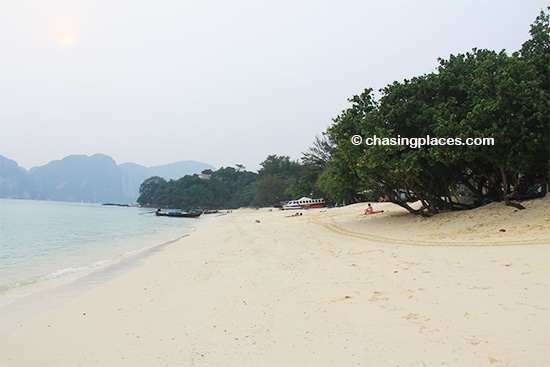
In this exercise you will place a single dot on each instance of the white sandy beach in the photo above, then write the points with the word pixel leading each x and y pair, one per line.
pixel 329 288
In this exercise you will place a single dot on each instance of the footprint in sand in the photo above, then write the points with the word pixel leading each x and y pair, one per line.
pixel 474 341
pixel 378 296
pixel 421 321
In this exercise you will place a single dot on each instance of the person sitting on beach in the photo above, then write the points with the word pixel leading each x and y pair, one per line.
pixel 370 210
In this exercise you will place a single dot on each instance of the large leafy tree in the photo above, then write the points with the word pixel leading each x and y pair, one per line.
pixel 340 178
pixel 480 94
pixel 507 102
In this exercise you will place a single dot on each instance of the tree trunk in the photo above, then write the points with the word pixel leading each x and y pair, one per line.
pixel 506 191
pixel 474 190
pixel 506 186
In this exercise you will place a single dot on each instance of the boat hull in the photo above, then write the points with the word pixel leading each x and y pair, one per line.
pixel 178 214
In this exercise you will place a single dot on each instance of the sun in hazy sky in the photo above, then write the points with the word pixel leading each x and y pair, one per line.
pixel 67 39
pixel 66 29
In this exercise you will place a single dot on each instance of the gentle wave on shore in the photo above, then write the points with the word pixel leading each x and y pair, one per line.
pixel 44 240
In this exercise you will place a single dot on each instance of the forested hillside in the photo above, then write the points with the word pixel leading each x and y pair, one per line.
pixel 225 188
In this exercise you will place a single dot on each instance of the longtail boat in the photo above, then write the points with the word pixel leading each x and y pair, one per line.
pixel 178 214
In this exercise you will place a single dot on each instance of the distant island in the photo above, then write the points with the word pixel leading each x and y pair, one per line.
pixel 81 178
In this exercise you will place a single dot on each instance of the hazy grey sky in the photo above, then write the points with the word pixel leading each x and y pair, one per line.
pixel 223 82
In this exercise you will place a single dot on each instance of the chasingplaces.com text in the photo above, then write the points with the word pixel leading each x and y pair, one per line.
pixel 419 142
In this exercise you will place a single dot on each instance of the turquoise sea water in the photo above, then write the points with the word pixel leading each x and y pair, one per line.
pixel 41 240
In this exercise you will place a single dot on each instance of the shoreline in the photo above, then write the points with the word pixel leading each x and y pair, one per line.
pixel 22 303
pixel 46 240
pixel 329 287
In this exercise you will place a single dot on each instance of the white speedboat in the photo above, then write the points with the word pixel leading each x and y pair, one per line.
pixel 304 203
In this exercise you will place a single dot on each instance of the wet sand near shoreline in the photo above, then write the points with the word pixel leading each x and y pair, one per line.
pixel 329 287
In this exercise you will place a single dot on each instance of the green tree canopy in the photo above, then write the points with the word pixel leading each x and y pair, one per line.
pixel 480 94
pixel 149 189
pixel 277 174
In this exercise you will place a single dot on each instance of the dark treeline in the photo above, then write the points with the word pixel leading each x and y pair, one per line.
pixel 480 94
